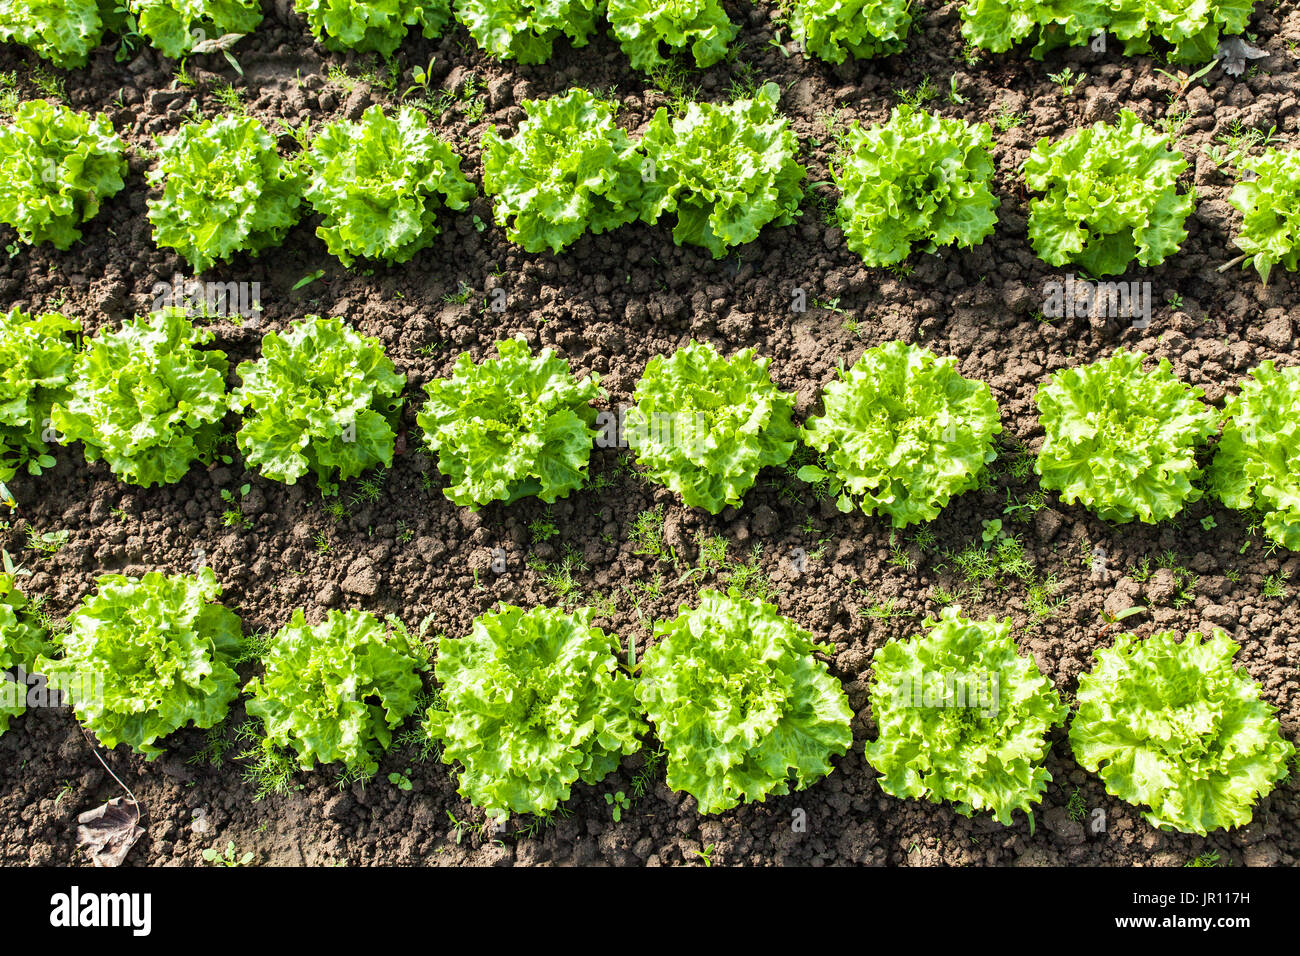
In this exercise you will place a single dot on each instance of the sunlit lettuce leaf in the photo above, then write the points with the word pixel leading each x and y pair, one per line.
pixel 644 27
pixel 37 356
pixel 372 25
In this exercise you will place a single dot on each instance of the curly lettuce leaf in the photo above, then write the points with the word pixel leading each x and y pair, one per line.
pixel 531 703
pixel 568 170
pixel 145 400
pixel 322 398
pixel 377 184
pixel 511 427
pixel 1257 462
pixel 902 432
pixel 1175 727
pixel 1270 212
pixel 224 190
pixel 963 717
pixel 144 657
pixel 740 703
pixel 1122 441
pixel 335 691
pixel 526 30
pixel 1111 197
pixel 56 167
pixel 705 426
pixel 61 31
pixel 372 25
pixel 919 179
pixel 642 26
pixel 725 171
pixel 835 29
pixel 176 27
pixel 37 357
pixel 23 639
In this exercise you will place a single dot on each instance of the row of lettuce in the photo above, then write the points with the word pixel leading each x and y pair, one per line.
pixel 901 431
pixel 66 31
pixel 920 181
pixel 530 702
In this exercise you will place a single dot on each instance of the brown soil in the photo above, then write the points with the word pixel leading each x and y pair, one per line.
pixel 609 303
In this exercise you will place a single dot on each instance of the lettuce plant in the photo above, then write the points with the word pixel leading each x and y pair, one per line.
pixel 62 31
pixel 740 703
pixel 568 170
pixel 919 179
pixel 1257 462
pixel 224 190
pixel 56 167
pixel 705 426
pixel 322 398
pixel 1270 211
pixel 997 25
pixel 144 657
pixel 511 427
pixel 36 361
pixel 1120 440
pixel 1111 197
pixel 963 717
pixel 176 27
pixel 532 701
pixel 377 184
pixel 726 171
pixel 373 25
pixel 146 400
pixel 902 432
pixel 335 691
pixel 1175 727
pixel 526 30
pixel 23 639
pixel 642 26
pixel 834 29
pixel 1193 30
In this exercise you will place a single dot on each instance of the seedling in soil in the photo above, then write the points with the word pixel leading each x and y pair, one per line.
pixel 543 529
pixel 618 802
pixel 924 92
pixel 992 530
pixel 49 543
pixel 234 516
pixel 954 93
pixel 1275 585
pixel 1208 858
pixel 1184 81
pixel 1067 80
pixel 647 536
pixel 706 854
pixel 1076 807
pixel 402 781
pixel 228 858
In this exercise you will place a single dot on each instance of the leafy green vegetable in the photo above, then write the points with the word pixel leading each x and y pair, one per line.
pixel 525 30
pixel 176 27
pixel 145 400
pixel 511 427
pixel 1112 196
pixel 533 701
pixel 36 362
pixel 1193 30
pixel 963 717
pixel 834 29
pixel 22 641
pixel 902 431
pixel 1120 440
pixel 62 31
pixel 56 167
pixel 642 26
pixel 322 398
pixel 568 170
pixel 1176 727
pixel 705 426
pixel 224 190
pixel 1270 211
pixel 144 657
pixel 740 703
pixel 726 171
pixel 377 182
pixel 373 25
pixel 1257 463
pixel 334 692
pixel 920 178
